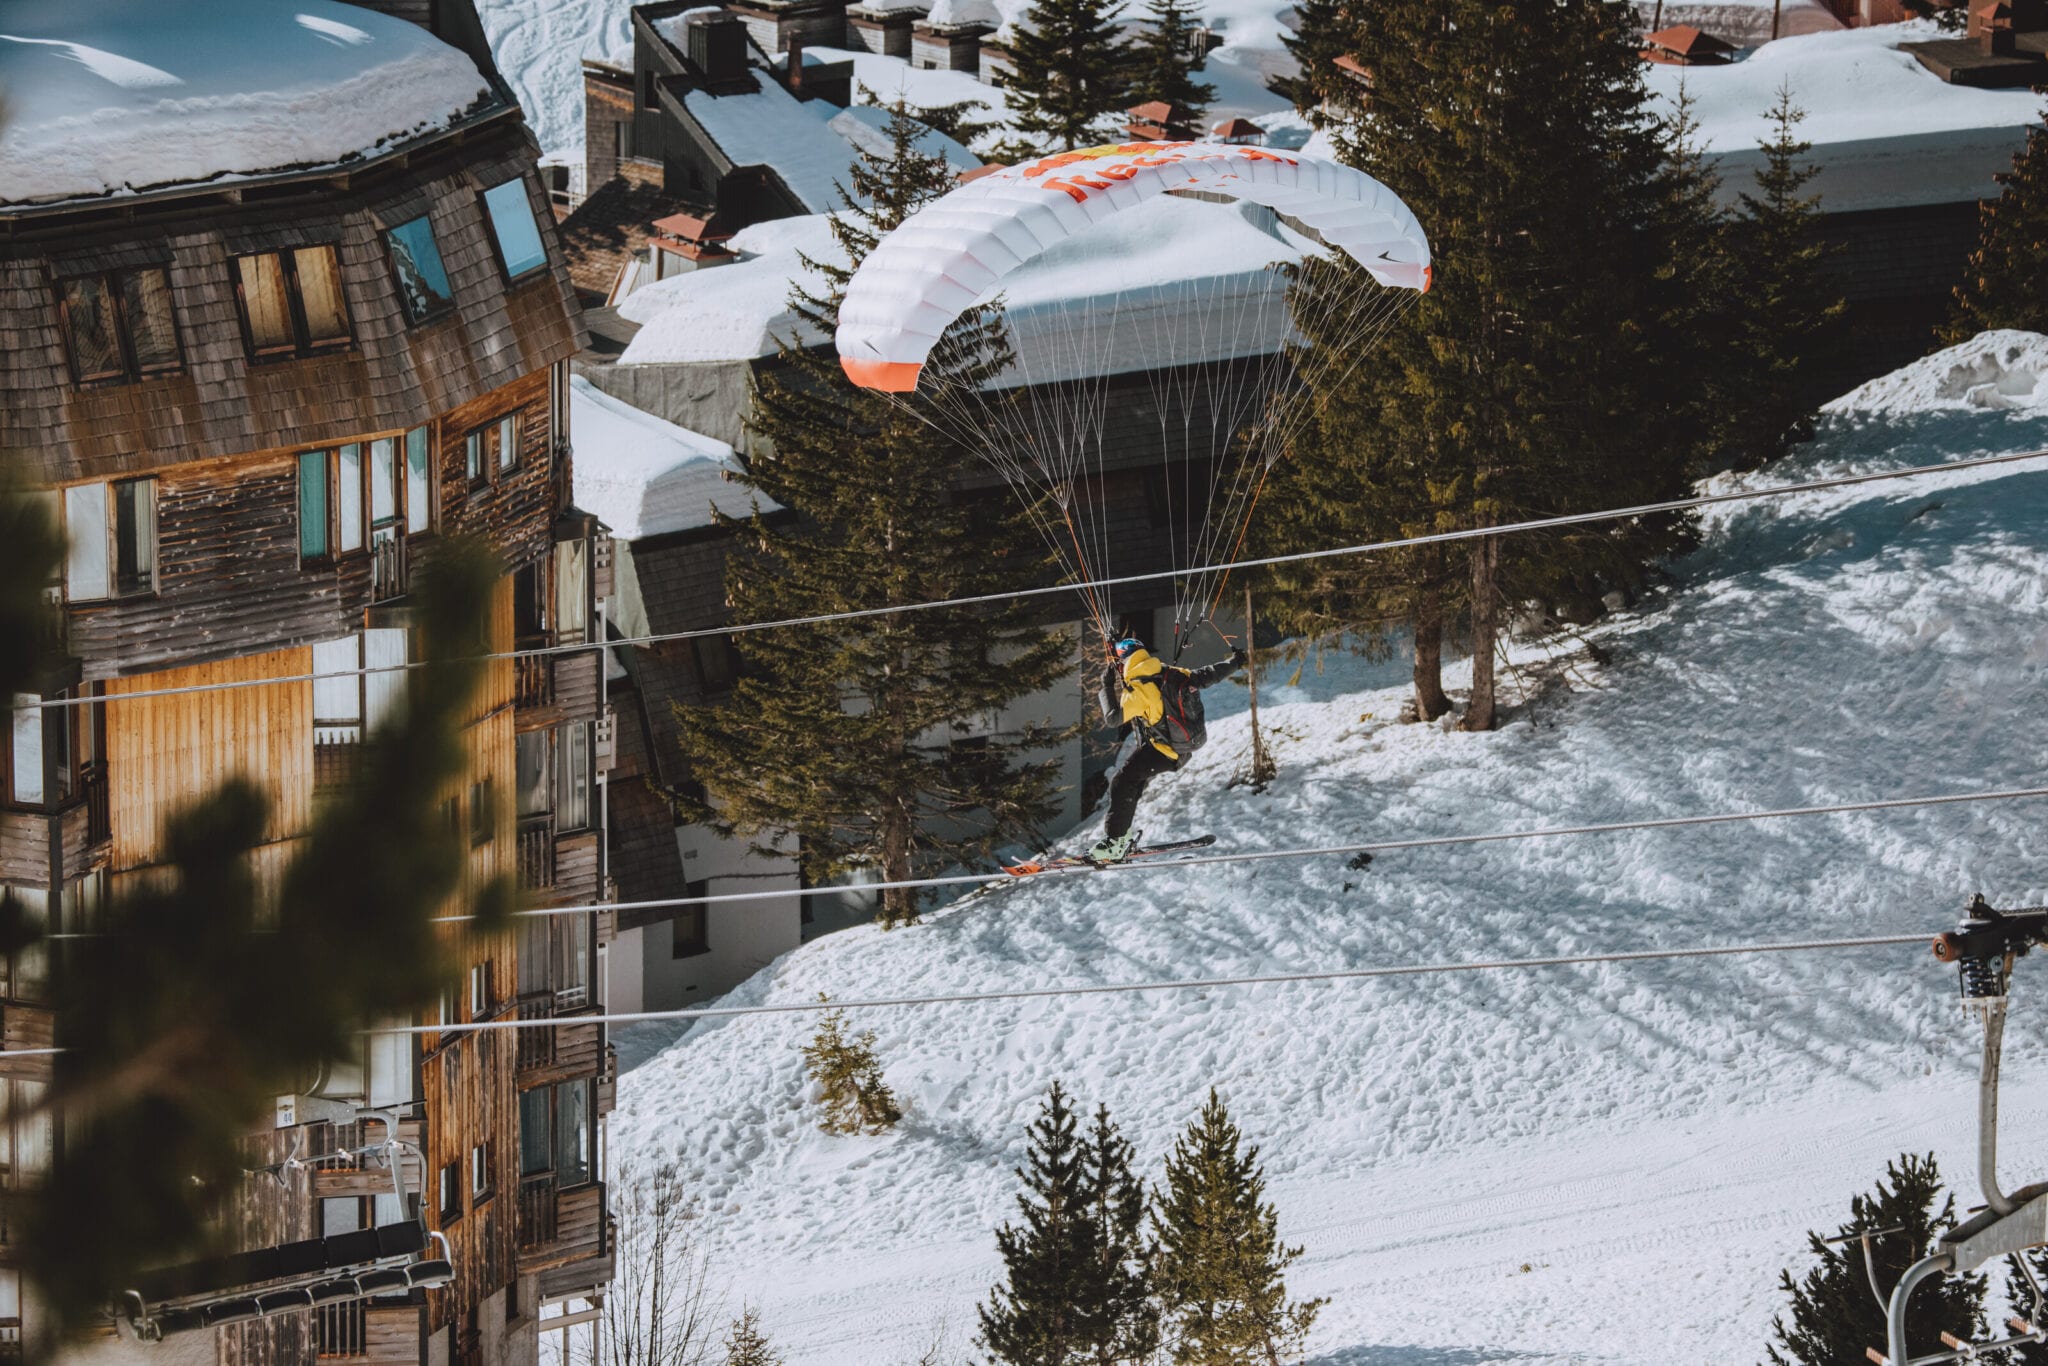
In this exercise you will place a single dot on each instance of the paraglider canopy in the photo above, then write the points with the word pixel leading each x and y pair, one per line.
pixel 957 249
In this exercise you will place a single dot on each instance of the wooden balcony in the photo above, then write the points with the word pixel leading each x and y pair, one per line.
pixel 558 1226
pixel 533 676
pixel 535 1047
pixel 390 570
pixel 99 827
pixel 536 852
pixel 537 1222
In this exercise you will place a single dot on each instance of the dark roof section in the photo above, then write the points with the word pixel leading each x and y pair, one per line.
pixel 221 403
pixel 1685 45
pixel 611 226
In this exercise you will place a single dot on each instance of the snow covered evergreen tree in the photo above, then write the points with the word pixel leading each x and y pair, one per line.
pixel 1833 1318
pixel 1788 305
pixel 1537 376
pixel 1072 74
pixel 745 1345
pixel 849 1078
pixel 1220 1269
pixel 1165 57
pixel 844 734
pixel 1038 1315
pixel 1321 92
pixel 2005 286
pixel 2020 1295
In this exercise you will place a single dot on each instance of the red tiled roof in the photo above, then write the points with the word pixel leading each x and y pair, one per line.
pixel 1685 42
pixel 1156 111
pixel 1237 128
pixel 693 227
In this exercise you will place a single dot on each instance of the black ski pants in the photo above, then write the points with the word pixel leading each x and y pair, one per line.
pixel 1134 772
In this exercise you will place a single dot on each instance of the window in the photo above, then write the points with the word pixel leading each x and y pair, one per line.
pixel 348 498
pixel 445 1012
pixel 383 482
pixel 572 1132
pixel 688 938
pixel 717 662
pixel 25 764
pixel 419 501
pixel 536 1134
pixel 28 1133
pixel 572 589
pixel 292 302
pixel 119 325
pixel 313 540
pixel 111 531
pixel 532 765
pixel 482 812
pixel 451 1192
pixel 571 965
pixel 572 776
pixel 416 260
pixel 355 684
pixel 473 459
pixel 479 990
pixel 49 749
pixel 508 441
pixel 340 1214
pixel 512 224
pixel 479 1172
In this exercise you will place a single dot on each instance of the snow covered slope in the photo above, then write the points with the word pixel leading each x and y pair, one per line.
pixel 1593 1164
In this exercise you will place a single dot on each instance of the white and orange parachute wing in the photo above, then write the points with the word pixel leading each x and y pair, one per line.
pixel 952 252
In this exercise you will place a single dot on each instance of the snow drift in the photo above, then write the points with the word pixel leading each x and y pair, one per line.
pixel 1577 1164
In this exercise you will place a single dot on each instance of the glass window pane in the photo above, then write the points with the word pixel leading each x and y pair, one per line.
pixel 337 700
pixel 135 536
pixel 572 588
pixel 572 1133
pixel 422 282
pixel 572 957
pixel 383 692
pixel 348 496
pixel 536 1143
pixel 312 505
pixel 383 481
pixel 530 769
pixel 89 323
pixel 512 223
pixel 508 441
pixel 86 572
pixel 320 294
pixel 27 757
pixel 152 331
pixel 572 776
pixel 473 456
pixel 35 1131
pixel 264 306
pixel 419 496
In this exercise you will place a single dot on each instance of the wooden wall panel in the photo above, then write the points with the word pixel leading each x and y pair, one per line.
pixel 25 848
pixel 163 753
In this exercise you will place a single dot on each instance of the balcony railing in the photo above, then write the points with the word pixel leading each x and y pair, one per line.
pixel 537 1210
pixel 388 566
pixel 99 826
pixel 536 1046
pixel 537 852
pixel 533 677
pixel 339 1330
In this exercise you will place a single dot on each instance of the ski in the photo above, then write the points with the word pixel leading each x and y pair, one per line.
pixel 1067 862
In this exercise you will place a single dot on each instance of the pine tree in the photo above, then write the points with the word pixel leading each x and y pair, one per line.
pixel 745 1345
pixel 842 734
pixel 1322 34
pixel 1536 375
pixel 1070 74
pixel 1161 64
pixel 1834 1317
pixel 1788 305
pixel 1117 1318
pixel 2019 1293
pixel 1220 1268
pixel 849 1078
pixel 2005 286
pixel 1036 1317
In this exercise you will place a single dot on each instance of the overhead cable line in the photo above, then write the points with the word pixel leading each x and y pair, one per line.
pixel 1048 590
pixel 1128 988
pixel 1316 851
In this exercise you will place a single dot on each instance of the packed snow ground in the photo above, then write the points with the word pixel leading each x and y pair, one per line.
pixel 1587 1164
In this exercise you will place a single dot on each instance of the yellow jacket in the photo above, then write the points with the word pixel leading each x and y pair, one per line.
pixel 1144 704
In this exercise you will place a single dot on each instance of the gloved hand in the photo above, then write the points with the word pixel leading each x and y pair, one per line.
pixel 1238 659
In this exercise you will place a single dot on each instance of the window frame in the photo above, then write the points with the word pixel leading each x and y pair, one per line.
pixel 402 490
pixel 131 370
pixel 448 1195
pixel 438 311
pixel 481 1187
pixel 302 346
pixel 110 527
pixel 483 199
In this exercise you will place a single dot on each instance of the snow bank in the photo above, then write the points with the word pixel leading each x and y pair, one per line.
pixel 1854 84
pixel 1606 1164
pixel 1992 370
pixel 1746 23
pixel 643 476
pixel 1172 281
pixel 125 95
pixel 540 46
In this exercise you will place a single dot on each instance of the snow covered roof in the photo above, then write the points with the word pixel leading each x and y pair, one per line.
pixel 119 96
pixel 1885 130
pixel 643 476
pixel 808 144
pixel 1133 293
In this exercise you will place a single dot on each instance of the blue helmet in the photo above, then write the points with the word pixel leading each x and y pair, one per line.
pixel 1128 644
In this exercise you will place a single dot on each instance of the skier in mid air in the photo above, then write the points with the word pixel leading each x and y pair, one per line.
pixel 1162 715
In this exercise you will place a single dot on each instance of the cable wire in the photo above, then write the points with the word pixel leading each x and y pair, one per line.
pixel 1155 576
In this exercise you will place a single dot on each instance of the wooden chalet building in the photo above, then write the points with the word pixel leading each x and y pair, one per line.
pixel 254 398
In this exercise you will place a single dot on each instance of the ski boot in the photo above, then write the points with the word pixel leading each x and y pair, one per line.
pixel 1114 850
